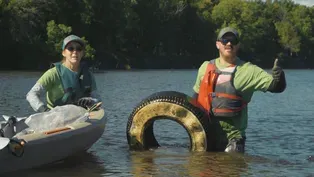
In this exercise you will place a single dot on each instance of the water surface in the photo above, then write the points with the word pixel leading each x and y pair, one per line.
pixel 280 134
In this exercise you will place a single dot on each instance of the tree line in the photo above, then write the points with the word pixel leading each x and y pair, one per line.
pixel 153 34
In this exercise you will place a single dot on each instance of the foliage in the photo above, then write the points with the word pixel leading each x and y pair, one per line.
pixel 57 32
pixel 155 33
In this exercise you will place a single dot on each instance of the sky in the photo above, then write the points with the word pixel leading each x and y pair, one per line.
pixel 305 2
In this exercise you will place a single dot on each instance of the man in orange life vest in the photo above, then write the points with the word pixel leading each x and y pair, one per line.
pixel 224 86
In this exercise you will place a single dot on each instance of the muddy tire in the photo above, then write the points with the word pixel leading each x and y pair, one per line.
pixel 170 105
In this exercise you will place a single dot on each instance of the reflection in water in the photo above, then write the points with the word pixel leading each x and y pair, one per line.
pixel 216 164
pixel 143 163
pixel 84 164
pixel 157 163
pixel 173 158
pixel 174 148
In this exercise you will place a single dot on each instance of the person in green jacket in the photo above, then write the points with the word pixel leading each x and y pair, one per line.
pixel 68 82
pixel 224 86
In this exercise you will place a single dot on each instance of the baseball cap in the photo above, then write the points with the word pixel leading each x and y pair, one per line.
pixel 72 38
pixel 228 30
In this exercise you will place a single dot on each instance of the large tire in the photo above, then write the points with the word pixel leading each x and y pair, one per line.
pixel 174 106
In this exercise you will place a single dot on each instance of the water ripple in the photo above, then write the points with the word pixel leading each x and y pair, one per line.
pixel 280 136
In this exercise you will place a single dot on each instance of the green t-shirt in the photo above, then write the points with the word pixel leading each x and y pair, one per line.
pixel 51 82
pixel 248 78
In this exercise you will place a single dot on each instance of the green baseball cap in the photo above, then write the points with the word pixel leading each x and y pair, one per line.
pixel 228 30
pixel 72 38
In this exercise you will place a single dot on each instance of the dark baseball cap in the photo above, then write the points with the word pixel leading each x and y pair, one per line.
pixel 228 30
pixel 72 38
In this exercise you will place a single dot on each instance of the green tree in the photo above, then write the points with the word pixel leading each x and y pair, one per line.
pixel 289 37
pixel 250 21
pixel 56 33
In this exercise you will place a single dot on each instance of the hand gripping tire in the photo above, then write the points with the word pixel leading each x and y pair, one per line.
pixel 169 105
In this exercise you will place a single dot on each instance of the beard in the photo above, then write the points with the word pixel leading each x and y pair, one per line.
pixel 229 56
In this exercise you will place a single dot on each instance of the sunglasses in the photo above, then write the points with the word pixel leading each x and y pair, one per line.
pixel 71 49
pixel 233 41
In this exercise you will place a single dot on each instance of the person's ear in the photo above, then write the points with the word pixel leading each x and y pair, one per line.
pixel 217 45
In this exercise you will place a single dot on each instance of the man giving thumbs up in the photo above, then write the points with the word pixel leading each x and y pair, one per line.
pixel 224 87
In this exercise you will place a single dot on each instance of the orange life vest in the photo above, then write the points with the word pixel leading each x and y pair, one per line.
pixel 217 94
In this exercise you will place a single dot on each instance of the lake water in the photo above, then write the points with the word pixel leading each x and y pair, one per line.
pixel 280 134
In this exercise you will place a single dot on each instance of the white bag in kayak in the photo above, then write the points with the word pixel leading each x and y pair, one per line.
pixel 59 116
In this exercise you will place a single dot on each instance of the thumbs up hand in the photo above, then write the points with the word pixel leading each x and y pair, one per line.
pixel 276 63
pixel 277 70
pixel 278 83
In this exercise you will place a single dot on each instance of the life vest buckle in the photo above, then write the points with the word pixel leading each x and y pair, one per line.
pixel 212 94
